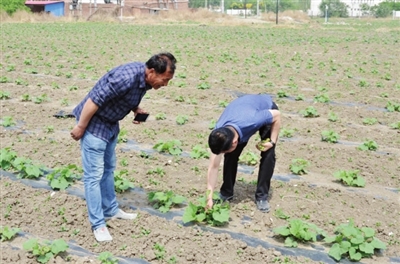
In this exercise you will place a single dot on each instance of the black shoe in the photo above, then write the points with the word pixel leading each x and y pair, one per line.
pixel 263 206
pixel 223 198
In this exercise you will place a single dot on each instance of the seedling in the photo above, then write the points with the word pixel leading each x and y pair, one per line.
pixel 7 157
pixel 330 136
pixel 280 214
pixel 26 98
pixel 282 94
pixel 350 178
pixel 181 119
pixel 203 86
pixel 212 124
pixel 172 147
pixel 353 242
pixel 298 230
pixel 26 168
pixel 368 145
pixel 198 152
pixel 63 177
pixel 299 97
pixel 333 117
pixel 393 107
pixel 40 99
pixel 159 171
pixel 7 233
pixel 218 215
pixel 107 258
pixel 8 121
pixel 370 121
pixel 395 125
pixel 299 166
pixel 249 158
pixel 223 103
pixel 322 98
pixel 122 138
pixel 164 201
pixel 49 129
pixel 4 95
pixel 179 98
pixel 286 133
pixel 159 251
pixel 44 252
pixel 121 183
pixel 309 112
pixel 161 116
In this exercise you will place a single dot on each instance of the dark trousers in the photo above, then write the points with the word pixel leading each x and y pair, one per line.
pixel 266 170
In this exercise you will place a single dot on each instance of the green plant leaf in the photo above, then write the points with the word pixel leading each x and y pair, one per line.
pixel 357 240
pixel 354 255
pixel 368 232
pixel 45 258
pixel 190 213
pixel 30 244
pixel 376 243
pixel 366 248
pixel 290 242
pixel 58 246
pixel 335 252
pixel 282 230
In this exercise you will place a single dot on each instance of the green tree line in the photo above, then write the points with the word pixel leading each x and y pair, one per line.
pixel 11 6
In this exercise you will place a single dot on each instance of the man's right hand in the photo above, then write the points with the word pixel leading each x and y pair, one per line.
pixel 77 132
pixel 210 203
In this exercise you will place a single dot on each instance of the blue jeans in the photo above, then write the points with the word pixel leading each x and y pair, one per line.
pixel 99 161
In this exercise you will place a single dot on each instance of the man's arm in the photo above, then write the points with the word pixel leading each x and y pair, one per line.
pixel 88 110
pixel 275 128
pixel 276 124
pixel 212 176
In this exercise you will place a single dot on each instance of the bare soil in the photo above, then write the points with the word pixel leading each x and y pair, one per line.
pixel 341 56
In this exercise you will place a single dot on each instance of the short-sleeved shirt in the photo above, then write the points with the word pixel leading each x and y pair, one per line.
pixel 116 93
pixel 247 114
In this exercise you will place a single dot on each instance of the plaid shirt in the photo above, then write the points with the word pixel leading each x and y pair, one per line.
pixel 116 93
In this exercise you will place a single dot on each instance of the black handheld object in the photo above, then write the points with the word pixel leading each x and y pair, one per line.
pixel 141 117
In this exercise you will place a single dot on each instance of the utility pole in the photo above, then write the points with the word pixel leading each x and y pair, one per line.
pixel 326 13
pixel 277 10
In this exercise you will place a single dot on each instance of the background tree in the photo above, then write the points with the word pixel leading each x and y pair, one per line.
pixel 385 9
pixel 365 9
pixel 335 8
pixel 11 6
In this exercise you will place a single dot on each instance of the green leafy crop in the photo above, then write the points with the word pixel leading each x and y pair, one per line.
pixel 44 252
pixel 63 177
pixel 330 136
pixel 199 152
pixel 368 145
pixel 107 258
pixel 6 233
pixel 164 201
pixel 310 112
pixel 299 166
pixel 350 178
pixel 298 230
pixel 353 242
pixel 249 158
pixel 121 183
pixel 218 215
pixel 172 147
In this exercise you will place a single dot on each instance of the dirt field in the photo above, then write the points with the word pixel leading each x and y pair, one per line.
pixel 355 64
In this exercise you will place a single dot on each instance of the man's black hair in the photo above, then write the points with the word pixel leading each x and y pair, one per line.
pixel 161 61
pixel 220 140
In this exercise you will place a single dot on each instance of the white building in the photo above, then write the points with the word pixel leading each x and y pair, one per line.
pixel 353 6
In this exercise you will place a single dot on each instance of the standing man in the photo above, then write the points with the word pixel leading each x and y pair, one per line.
pixel 241 119
pixel 112 98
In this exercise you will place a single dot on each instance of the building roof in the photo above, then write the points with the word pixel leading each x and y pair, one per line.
pixel 41 2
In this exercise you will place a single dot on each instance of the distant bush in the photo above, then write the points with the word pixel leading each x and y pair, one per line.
pixel 335 8
pixel 11 6
pixel 385 9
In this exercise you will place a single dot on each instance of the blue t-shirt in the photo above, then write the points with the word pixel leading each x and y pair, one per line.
pixel 247 114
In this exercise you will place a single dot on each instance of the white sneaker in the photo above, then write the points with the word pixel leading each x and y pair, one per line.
pixel 102 235
pixel 122 215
